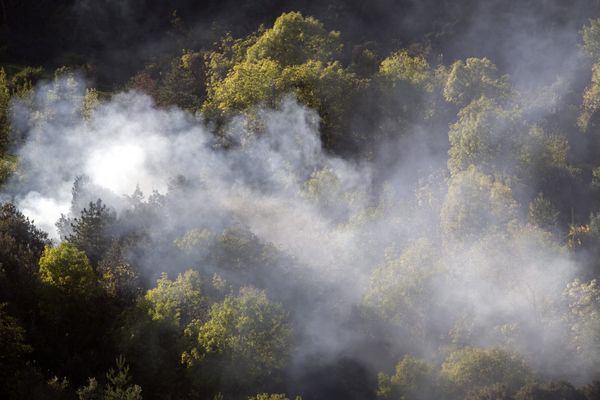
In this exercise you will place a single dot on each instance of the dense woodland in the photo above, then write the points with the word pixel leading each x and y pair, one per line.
pixel 360 201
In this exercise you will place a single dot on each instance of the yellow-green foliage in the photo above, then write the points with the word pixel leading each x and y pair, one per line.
pixel 413 378
pixel 67 269
pixel 476 203
pixel 4 111
pixel 177 302
pixel 400 66
pixel 486 136
pixel 248 333
pixel 591 39
pixel 399 288
pixel 469 80
pixel 471 368
pixel 296 56
pixel 295 39
pixel 591 101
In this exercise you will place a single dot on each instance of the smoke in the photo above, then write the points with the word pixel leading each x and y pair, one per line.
pixel 369 238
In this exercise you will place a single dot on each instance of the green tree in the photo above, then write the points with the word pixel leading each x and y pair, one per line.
pixel 473 78
pixel 183 84
pixel 118 386
pixel 177 302
pixel 412 379
pixel 591 39
pixel 584 317
pixel 296 56
pixel 549 391
pixel 487 136
pixel 543 214
pixel 4 112
pixel 401 290
pixel 92 231
pixel 247 335
pixel 476 203
pixel 67 269
pixel 472 368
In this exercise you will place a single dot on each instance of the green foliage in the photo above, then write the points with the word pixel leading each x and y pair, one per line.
pixel 471 79
pixel 400 66
pixel 399 290
pixel 492 392
pixel 549 391
pixel 267 396
pixel 295 56
pixel 13 351
pixel 486 136
pixel 591 39
pixel 584 315
pixel 588 117
pixel 476 203
pixel 118 277
pixel 177 302
pixel 412 379
pixel 543 214
pixel 68 269
pixel 248 334
pixel 295 39
pixel 119 385
pixel 183 84
pixel 473 368
pixel 4 112
pixel 92 231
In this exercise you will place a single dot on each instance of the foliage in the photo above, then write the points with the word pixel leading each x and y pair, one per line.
pixel 4 112
pixel 413 378
pixel 248 334
pixel 67 269
pixel 476 203
pixel 92 231
pixel 549 391
pixel 295 56
pixel 486 136
pixel 177 302
pixel 584 306
pixel 591 39
pixel 472 368
pixel 399 289
pixel 473 78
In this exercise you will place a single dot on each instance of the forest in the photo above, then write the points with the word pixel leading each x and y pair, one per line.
pixel 298 200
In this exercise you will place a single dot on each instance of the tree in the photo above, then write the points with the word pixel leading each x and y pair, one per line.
pixel 295 39
pixel 183 84
pixel 4 112
pixel 591 39
pixel 93 231
pixel 67 269
pixel 21 245
pixel 588 118
pixel 412 379
pixel 177 302
pixel 549 391
pixel 472 368
pixel 584 316
pixel 296 56
pixel 471 79
pixel 402 289
pixel 118 385
pixel 487 136
pixel 13 350
pixel 246 335
pixel 543 214
pixel 476 203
